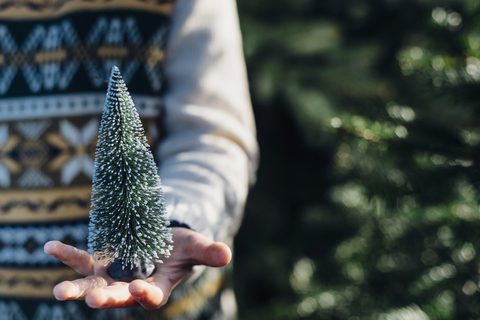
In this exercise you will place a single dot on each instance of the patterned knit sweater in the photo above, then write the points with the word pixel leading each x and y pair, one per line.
pixel 55 57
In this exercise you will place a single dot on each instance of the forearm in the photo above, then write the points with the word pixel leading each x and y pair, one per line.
pixel 209 155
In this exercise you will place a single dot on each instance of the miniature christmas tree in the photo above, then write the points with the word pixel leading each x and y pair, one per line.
pixel 128 223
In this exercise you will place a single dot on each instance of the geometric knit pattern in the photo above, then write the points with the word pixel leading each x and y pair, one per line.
pixel 113 33
pixel 61 155
pixel 24 245
pixel 68 312
pixel 4 173
pixel 3 134
pixel 50 74
pixel 51 55
pixel 8 45
pixel 154 69
pixel 68 105
pixel 11 311
pixel 4 177
pixel 34 178
pixel 32 129
pixel 78 138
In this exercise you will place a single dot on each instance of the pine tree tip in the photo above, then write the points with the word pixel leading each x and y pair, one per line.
pixel 115 72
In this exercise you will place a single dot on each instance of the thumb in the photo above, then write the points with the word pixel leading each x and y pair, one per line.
pixel 200 250
pixel 217 254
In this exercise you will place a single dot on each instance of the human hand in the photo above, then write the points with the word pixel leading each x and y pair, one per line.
pixel 103 292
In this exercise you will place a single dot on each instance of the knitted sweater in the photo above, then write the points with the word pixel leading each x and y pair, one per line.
pixel 183 65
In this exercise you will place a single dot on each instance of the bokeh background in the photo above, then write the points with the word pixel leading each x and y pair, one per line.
pixel 367 199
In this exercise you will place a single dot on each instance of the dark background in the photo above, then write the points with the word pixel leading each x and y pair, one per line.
pixel 367 199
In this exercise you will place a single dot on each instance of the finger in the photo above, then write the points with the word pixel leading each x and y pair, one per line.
pixel 202 250
pixel 78 289
pixel 151 296
pixel 79 260
pixel 116 295
pixel 217 255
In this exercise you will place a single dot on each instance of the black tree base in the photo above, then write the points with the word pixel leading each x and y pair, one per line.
pixel 130 272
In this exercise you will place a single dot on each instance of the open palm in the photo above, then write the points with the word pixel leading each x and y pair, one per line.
pixel 103 292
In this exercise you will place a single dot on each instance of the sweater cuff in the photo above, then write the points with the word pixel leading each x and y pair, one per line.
pixel 175 223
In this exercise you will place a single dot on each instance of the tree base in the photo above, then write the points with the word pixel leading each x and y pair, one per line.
pixel 130 273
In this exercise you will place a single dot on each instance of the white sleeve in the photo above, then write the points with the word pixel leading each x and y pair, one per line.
pixel 209 155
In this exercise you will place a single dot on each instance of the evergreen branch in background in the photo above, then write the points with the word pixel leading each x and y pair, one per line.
pixel 370 109
pixel 128 223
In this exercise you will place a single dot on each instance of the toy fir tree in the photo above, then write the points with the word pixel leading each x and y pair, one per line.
pixel 128 222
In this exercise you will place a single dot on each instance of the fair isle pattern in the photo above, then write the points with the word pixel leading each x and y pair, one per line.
pixel 33 151
pixel 24 245
pixel 43 9
pixel 34 178
pixel 112 33
pixel 52 54
pixel 45 205
pixel 8 46
pixel 11 311
pixel 4 172
pixel 33 282
pixel 27 157
pixel 33 129
pixel 78 138
pixel 68 312
pixel 154 56
pixel 69 105
pixel 50 73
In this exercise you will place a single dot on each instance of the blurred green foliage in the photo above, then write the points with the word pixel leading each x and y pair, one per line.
pixel 367 202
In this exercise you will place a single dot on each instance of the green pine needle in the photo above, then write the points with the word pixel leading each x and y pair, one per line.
pixel 128 220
